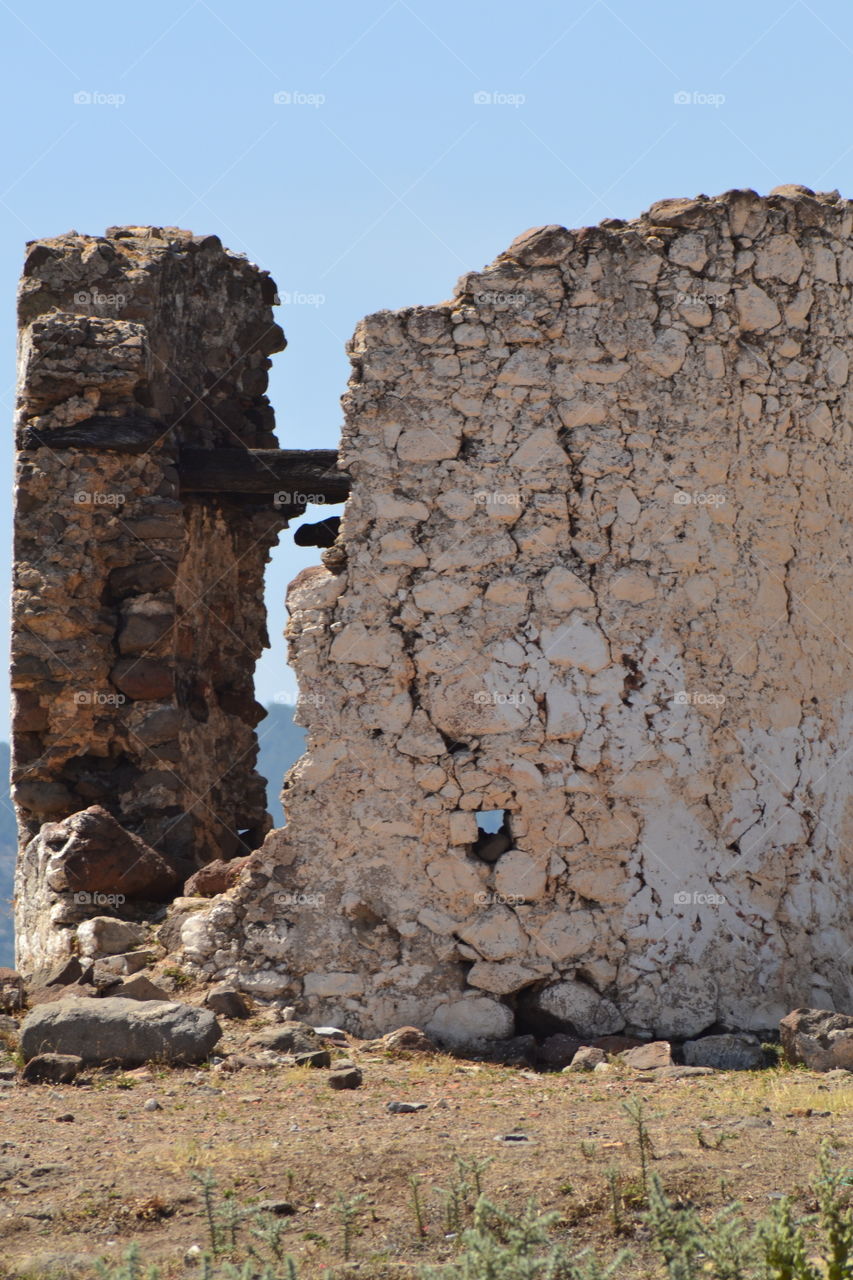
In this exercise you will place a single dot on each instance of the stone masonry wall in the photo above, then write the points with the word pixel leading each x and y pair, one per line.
pixel 138 611
pixel 595 574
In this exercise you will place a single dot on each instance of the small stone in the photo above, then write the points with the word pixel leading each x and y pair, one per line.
pixel 216 877
pixel 281 1208
pixel 316 1058
pixel 11 990
pixel 151 1104
pixel 52 1068
pixel 348 1077
pixel 407 1039
pixel 288 1037
pixel 139 988
pixel 63 974
pixel 228 1002
pixel 648 1057
pixel 586 1059
pixel 405 1108
pixel 65 1118
pixel 110 969
pixel 756 310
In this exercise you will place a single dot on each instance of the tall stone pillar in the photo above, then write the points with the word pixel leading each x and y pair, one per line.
pixel 138 610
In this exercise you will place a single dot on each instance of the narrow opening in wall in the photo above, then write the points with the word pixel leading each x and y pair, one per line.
pixel 490 820
pixel 281 741
pixel 494 835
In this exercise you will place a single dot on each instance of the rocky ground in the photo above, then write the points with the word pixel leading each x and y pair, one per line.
pixel 116 1156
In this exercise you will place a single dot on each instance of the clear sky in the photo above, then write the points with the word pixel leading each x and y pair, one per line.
pixel 410 141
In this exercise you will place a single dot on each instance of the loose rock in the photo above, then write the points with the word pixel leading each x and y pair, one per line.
pixel 818 1038
pixel 586 1058
pixel 129 1032
pixel 315 1058
pixel 345 1077
pixel 227 1002
pixel 647 1057
pixel 52 1068
pixel 736 1052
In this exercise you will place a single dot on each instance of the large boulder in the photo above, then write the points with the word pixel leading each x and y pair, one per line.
pixel 734 1052
pixel 574 1007
pixel 470 1022
pixel 113 1029
pixel 818 1038
pixel 91 854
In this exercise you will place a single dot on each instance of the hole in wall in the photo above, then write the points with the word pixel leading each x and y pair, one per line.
pixel 495 837
pixel 490 820
pixel 281 741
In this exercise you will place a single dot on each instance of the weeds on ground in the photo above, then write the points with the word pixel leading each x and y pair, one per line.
pixel 497 1244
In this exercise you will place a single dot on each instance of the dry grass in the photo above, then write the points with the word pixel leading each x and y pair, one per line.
pixel 118 1173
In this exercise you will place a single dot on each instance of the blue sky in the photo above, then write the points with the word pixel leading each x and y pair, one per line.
pixel 418 140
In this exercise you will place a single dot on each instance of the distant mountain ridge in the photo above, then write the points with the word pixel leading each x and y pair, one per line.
pixel 281 743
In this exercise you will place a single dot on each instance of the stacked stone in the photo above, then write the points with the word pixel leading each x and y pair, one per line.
pixel 594 573
pixel 138 611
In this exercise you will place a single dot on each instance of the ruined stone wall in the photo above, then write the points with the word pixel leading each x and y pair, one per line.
pixel 138 609
pixel 594 573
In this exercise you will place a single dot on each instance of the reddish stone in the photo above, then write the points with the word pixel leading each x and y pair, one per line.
pixel 143 679
pixel 216 877
pixel 98 856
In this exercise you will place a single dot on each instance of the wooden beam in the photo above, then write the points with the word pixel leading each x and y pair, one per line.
pixel 291 476
pixel 120 435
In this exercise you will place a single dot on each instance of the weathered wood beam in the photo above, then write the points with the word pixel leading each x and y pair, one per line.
pixel 119 435
pixel 298 475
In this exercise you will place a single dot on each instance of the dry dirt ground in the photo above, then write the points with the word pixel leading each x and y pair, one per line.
pixel 86 1169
